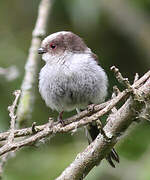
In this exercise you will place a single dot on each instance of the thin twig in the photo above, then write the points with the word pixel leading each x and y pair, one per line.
pixel 114 94
pixel 3 161
pixel 120 78
pixel 10 137
pixel 12 115
pixel 136 77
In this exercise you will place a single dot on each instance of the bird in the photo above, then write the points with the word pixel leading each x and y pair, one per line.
pixel 72 78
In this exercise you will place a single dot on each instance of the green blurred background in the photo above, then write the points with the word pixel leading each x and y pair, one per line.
pixel 119 32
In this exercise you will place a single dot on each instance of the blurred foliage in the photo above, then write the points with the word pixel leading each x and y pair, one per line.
pixel 141 4
pixel 86 18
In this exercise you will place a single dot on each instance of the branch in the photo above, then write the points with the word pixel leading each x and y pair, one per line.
pixel 101 108
pixel 26 100
pixel 121 118
pixel 12 115
pixel 117 124
pixel 10 137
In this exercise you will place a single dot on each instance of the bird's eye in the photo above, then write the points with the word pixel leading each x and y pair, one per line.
pixel 52 46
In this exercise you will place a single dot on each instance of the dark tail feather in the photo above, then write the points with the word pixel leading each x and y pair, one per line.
pixel 114 155
pixel 93 132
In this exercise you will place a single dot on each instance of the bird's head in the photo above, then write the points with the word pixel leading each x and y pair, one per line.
pixel 58 45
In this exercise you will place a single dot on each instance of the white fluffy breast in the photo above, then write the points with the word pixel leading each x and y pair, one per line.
pixel 74 83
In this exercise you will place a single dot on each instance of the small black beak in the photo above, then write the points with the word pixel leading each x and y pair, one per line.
pixel 41 50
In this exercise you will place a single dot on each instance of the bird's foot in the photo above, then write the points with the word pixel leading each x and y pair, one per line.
pixel 91 108
pixel 60 120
